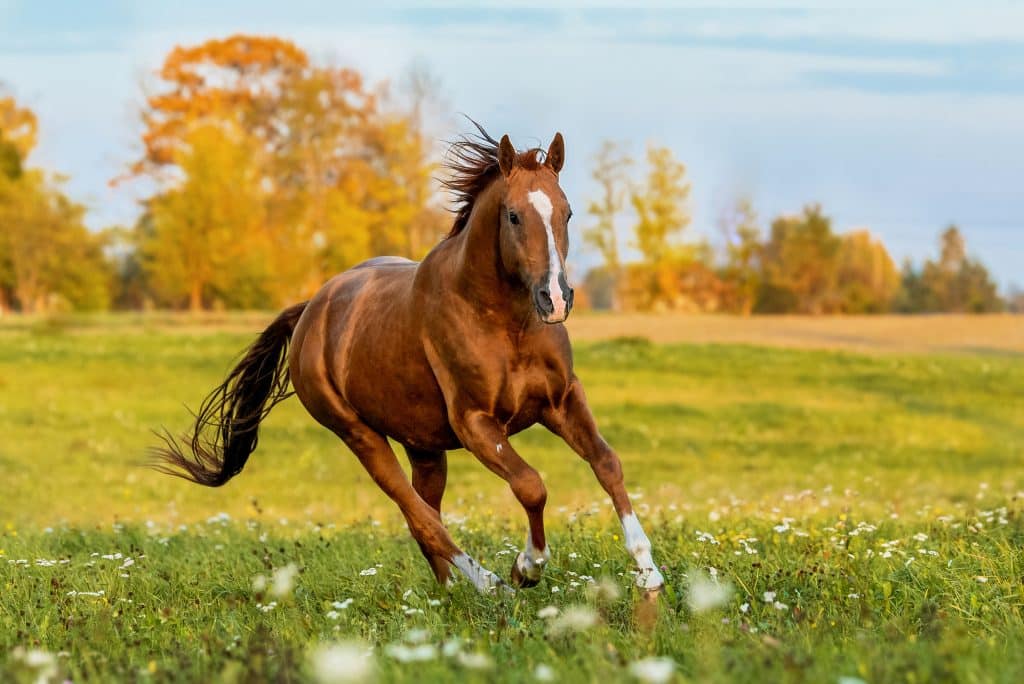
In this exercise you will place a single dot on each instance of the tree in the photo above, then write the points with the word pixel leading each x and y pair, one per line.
pixel 743 251
pixel 18 127
pixel 238 80
pixel 662 217
pixel 955 283
pixel 661 207
pixel 610 172
pixel 329 177
pixel 866 276
pixel 48 258
pixel 208 232
pixel 800 265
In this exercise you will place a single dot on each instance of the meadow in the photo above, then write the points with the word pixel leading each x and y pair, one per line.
pixel 847 508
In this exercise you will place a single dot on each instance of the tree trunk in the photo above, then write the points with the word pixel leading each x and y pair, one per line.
pixel 195 297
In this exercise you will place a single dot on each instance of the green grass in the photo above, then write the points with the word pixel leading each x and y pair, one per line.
pixel 884 494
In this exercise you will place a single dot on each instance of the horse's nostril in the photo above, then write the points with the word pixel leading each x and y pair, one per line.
pixel 544 302
pixel 568 300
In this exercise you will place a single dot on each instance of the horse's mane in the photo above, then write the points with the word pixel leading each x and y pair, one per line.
pixel 472 164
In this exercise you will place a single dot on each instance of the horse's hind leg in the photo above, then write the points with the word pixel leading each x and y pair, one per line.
pixel 377 456
pixel 429 477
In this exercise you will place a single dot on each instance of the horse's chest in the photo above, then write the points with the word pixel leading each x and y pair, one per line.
pixel 528 389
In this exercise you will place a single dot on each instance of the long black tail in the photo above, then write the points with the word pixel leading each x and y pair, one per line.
pixel 227 423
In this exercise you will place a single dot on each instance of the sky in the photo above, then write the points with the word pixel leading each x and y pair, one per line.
pixel 900 121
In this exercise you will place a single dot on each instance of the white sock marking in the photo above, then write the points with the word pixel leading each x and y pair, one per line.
pixel 542 203
pixel 532 560
pixel 639 546
pixel 484 580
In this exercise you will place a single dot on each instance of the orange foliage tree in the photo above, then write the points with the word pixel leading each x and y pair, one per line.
pixel 330 178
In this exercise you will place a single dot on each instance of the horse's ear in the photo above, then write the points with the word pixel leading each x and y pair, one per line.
pixel 556 153
pixel 506 155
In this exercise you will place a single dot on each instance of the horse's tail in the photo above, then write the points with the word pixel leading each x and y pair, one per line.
pixel 227 423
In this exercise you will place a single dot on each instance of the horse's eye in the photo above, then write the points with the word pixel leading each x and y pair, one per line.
pixel 569 216
pixel 513 218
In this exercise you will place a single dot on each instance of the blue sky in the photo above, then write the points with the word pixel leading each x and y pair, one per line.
pixel 900 121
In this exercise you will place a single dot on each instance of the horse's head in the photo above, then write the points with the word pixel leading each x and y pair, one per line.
pixel 534 226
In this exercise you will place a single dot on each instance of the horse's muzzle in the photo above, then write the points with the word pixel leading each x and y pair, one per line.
pixel 553 309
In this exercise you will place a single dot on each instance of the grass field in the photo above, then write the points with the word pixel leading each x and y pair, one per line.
pixel 820 514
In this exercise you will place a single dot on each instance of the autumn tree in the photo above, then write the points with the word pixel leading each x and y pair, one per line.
pixel 800 265
pixel 208 239
pixel 611 174
pixel 742 271
pixel 866 277
pixel 330 178
pixel 661 207
pixel 662 215
pixel 48 258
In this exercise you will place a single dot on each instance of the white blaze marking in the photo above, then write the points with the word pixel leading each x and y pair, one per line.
pixel 484 580
pixel 639 546
pixel 531 562
pixel 542 203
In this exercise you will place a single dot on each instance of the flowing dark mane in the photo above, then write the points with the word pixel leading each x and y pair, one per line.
pixel 472 164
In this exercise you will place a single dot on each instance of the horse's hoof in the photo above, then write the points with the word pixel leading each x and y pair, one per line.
pixel 519 579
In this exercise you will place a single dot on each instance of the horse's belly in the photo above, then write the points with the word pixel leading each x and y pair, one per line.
pixel 391 386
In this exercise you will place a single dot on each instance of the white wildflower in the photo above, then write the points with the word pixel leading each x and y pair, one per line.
pixel 412 654
pixel 543 673
pixel 43 663
pixel 451 647
pixel 769 597
pixel 283 580
pixel 653 670
pixel 417 636
pixel 343 662
pixel 574 619
pixel 706 594
pixel 474 661
pixel 547 612
pixel 744 607
pixel 604 590
pixel 342 605
pixel 368 571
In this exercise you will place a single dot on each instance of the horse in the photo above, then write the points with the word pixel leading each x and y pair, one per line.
pixel 461 350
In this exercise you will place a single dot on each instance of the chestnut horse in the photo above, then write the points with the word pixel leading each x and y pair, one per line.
pixel 463 349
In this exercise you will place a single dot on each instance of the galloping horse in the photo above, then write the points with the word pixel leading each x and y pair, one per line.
pixel 463 349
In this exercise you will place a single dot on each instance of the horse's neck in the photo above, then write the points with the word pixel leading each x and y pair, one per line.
pixel 480 275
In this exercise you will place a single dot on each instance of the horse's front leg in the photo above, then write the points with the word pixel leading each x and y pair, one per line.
pixel 483 435
pixel 574 423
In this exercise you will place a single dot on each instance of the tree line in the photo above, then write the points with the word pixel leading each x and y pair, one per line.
pixel 800 264
pixel 271 172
